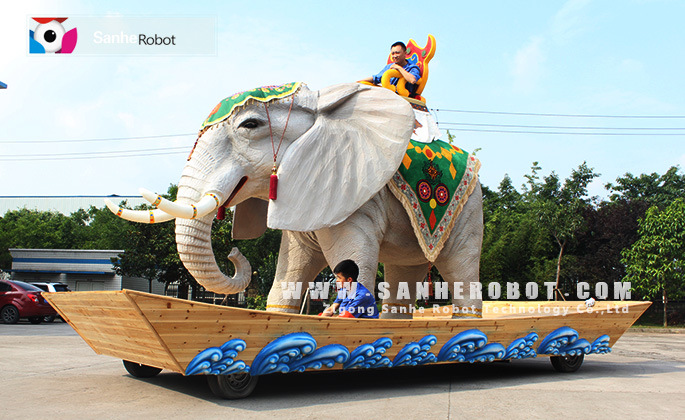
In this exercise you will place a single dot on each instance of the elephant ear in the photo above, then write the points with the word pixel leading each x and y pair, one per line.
pixel 353 149
pixel 249 219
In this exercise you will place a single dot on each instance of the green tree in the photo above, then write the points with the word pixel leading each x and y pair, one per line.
pixel 101 229
pixel 36 229
pixel 559 207
pixel 150 252
pixel 514 244
pixel 655 263
pixel 657 190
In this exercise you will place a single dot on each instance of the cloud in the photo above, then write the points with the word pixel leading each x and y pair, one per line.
pixel 528 65
pixel 569 21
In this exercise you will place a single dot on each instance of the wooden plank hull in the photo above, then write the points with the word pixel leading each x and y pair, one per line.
pixel 187 337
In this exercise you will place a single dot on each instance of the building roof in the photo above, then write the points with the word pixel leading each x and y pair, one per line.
pixel 84 261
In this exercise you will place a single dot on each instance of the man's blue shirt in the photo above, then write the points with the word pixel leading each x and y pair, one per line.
pixel 409 68
pixel 361 303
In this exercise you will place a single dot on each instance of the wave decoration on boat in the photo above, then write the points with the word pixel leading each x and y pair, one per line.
pixel 522 348
pixel 219 360
pixel 297 352
pixel 601 345
pixel 564 341
pixel 415 354
pixel 369 356
pixel 470 346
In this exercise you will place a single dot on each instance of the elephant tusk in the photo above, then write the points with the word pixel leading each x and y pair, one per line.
pixel 208 204
pixel 140 216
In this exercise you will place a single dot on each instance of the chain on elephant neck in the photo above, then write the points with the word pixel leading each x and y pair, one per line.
pixel 273 180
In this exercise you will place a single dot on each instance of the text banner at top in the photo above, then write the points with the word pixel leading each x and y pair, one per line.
pixel 122 35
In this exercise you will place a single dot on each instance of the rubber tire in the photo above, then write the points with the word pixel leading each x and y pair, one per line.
pixel 49 318
pixel 567 364
pixel 232 387
pixel 35 320
pixel 141 371
pixel 10 314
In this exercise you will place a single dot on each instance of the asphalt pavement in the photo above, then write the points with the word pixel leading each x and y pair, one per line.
pixel 47 371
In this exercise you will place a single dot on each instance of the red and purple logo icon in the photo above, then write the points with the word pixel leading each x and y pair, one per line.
pixel 51 37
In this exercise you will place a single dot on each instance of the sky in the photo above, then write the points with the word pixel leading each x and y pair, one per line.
pixel 503 62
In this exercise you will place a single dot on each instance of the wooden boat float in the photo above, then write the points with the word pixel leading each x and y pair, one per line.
pixel 235 346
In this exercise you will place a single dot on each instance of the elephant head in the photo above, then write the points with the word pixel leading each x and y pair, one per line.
pixel 339 147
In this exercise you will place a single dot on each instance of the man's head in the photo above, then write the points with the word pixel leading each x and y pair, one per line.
pixel 398 53
pixel 346 271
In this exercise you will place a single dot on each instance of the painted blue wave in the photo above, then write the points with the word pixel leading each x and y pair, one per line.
pixel 370 355
pixel 296 352
pixel 578 347
pixel 601 345
pixel 556 340
pixel 415 354
pixel 522 348
pixel 466 341
pixel 325 356
pixel 488 353
pixel 219 360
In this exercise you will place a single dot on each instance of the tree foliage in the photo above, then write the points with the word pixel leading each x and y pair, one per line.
pixel 657 190
pixel 655 263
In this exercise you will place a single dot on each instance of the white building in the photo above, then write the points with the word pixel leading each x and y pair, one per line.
pixel 81 269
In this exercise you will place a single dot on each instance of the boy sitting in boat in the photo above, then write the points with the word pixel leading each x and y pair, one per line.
pixel 354 300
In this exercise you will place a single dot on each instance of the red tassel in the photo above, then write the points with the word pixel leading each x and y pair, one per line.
pixel 221 213
pixel 273 186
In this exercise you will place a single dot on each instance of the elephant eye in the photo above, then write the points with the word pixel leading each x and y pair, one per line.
pixel 251 123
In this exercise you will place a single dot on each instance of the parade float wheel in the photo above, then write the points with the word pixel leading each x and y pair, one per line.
pixel 567 364
pixel 36 319
pixel 10 314
pixel 141 371
pixel 231 387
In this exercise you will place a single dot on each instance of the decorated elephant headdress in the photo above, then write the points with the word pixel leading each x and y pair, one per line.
pixel 352 150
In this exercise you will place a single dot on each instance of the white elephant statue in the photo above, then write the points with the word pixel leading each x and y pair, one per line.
pixel 336 152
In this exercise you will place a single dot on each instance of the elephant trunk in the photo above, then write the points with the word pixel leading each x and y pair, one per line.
pixel 194 242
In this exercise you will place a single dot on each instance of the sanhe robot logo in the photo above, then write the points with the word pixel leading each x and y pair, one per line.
pixel 51 37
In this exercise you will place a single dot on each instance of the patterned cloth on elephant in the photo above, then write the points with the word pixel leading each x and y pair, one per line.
pixel 358 302
pixel 433 183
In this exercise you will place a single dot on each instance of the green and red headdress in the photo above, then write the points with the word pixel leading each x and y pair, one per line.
pixel 225 108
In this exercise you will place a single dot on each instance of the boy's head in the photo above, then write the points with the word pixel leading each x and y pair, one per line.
pixel 345 270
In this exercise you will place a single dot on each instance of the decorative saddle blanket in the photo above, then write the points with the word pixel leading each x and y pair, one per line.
pixel 433 183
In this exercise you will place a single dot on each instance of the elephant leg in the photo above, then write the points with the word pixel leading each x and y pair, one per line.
pixel 459 260
pixel 299 262
pixel 401 279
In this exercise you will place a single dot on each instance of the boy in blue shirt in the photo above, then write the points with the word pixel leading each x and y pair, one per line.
pixel 358 301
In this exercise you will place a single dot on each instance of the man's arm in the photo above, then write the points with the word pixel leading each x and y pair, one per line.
pixel 330 311
pixel 376 79
pixel 410 78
